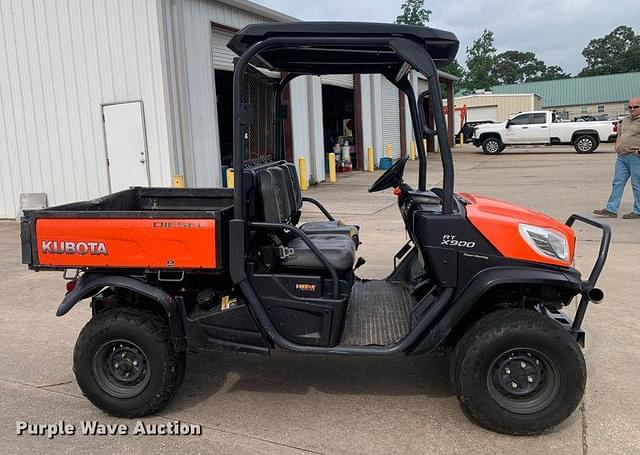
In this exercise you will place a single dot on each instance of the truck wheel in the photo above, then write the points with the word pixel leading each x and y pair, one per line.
pixel 585 144
pixel 492 146
pixel 519 373
pixel 125 363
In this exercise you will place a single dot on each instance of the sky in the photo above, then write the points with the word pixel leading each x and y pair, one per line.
pixel 555 30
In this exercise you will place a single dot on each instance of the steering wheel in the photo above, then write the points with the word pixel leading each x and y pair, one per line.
pixel 392 177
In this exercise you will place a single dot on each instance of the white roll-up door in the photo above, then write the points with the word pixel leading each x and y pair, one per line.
pixel 482 113
pixel 390 103
pixel 222 56
pixel 339 80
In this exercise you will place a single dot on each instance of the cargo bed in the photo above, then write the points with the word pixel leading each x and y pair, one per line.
pixel 138 228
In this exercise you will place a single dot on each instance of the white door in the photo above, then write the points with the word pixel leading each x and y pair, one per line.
pixel 518 131
pixel 126 142
pixel 339 80
pixel 482 114
pixel 221 55
pixel 538 129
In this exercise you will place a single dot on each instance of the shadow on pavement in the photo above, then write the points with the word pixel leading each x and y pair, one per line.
pixel 220 373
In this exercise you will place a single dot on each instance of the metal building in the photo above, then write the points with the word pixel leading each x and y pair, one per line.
pixel 599 96
pixel 496 107
pixel 97 96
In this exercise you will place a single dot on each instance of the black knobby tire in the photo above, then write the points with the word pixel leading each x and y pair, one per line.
pixel 492 146
pixel 150 372
pixel 585 143
pixel 525 401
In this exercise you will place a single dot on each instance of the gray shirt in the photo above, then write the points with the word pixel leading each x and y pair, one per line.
pixel 629 134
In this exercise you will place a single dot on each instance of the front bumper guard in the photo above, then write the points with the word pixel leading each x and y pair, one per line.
pixel 589 292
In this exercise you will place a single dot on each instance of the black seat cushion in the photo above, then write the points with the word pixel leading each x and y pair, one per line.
pixel 329 227
pixel 338 249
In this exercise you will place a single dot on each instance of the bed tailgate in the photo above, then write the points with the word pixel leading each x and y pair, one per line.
pixel 146 243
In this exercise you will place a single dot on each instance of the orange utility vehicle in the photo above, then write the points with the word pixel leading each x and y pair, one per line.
pixel 173 270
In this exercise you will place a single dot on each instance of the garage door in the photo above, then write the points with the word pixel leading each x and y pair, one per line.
pixel 339 80
pixel 390 103
pixel 222 56
pixel 483 113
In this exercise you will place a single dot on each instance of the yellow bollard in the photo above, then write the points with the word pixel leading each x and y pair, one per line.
pixel 424 144
pixel 332 167
pixel 370 163
pixel 461 139
pixel 304 181
pixel 178 181
pixel 412 151
pixel 230 177
pixel 389 151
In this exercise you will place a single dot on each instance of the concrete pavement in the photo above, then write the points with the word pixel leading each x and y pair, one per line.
pixel 316 404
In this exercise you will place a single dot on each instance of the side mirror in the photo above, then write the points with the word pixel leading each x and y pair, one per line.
pixel 508 124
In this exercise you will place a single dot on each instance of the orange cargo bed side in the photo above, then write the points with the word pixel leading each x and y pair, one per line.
pixel 127 243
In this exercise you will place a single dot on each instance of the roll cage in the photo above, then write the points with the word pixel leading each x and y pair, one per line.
pixel 316 48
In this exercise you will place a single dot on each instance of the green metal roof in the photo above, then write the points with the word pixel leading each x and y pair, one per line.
pixel 609 88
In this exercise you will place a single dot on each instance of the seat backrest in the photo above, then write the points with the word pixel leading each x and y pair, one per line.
pixel 275 196
pixel 252 192
pixel 283 182
pixel 294 183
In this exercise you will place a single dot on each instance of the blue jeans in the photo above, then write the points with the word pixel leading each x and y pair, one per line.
pixel 626 166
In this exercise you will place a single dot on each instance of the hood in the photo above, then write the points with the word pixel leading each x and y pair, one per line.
pixel 499 222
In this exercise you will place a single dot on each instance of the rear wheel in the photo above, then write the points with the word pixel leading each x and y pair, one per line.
pixel 125 363
pixel 492 146
pixel 518 372
pixel 585 143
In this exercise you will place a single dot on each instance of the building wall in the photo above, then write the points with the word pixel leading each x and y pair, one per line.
pixel 306 125
pixel 507 105
pixel 60 62
pixel 613 109
pixel 202 147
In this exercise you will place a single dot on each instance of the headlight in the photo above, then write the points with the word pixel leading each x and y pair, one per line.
pixel 546 242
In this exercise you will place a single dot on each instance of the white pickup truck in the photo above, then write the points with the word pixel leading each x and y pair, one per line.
pixel 542 127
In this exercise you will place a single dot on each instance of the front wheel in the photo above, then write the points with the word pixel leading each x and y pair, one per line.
pixel 492 146
pixel 585 144
pixel 518 372
pixel 125 363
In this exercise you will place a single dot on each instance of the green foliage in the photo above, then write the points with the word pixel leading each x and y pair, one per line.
pixel 480 60
pixel 413 13
pixel 454 68
pixel 553 72
pixel 485 68
pixel 515 67
pixel 617 52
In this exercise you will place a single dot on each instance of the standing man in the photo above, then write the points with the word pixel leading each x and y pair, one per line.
pixel 627 165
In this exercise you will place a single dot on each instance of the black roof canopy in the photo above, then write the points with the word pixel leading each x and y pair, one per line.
pixel 367 51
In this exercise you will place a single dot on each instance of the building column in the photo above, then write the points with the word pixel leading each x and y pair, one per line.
pixel 450 111
pixel 357 119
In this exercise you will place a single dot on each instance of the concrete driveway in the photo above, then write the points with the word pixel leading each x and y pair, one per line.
pixel 294 404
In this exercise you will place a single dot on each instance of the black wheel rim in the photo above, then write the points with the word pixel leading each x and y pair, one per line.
pixel 523 381
pixel 121 368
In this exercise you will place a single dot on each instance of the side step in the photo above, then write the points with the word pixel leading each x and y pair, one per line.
pixel 378 314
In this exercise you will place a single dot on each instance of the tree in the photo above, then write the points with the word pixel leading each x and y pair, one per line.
pixel 514 67
pixel 480 60
pixel 454 68
pixel 553 72
pixel 617 52
pixel 413 13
